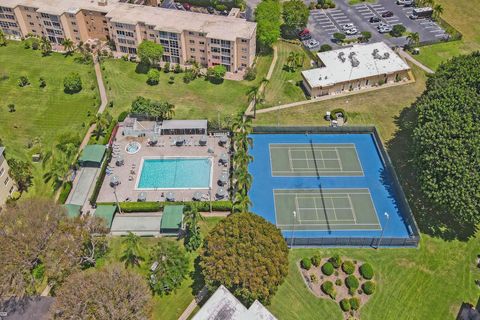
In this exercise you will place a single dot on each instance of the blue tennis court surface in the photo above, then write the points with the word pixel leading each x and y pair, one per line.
pixel 325 185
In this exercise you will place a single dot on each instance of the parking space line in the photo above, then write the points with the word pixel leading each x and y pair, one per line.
pixel 435 31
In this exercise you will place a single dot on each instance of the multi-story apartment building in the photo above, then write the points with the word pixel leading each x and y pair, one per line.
pixel 186 36
pixel 7 185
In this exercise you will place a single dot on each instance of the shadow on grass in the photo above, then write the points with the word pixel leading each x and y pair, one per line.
pixel 142 68
pixel 430 219
pixel 197 276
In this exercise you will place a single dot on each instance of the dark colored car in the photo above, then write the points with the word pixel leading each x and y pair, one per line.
pixel 210 10
pixel 375 19
pixel 187 6
pixel 224 13
pixel 387 14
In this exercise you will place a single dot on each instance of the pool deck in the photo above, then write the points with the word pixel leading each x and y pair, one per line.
pixel 129 172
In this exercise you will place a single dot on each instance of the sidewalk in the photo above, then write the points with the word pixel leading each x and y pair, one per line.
pixel 188 311
pixel 101 86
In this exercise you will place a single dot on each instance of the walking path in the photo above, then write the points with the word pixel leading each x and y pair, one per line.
pixel 407 56
pixel 262 86
pixel 188 311
pixel 329 97
pixel 101 86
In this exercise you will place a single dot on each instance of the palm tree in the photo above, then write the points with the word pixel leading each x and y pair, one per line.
pixel 242 202
pixel 98 132
pixel 191 216
pixel 45 46
pixel 132 253
pixel 167 110
pixel 413 38
pixel 243 180
pixel 68 46
pixel 3 38
pixel 437 10
pixel 59 166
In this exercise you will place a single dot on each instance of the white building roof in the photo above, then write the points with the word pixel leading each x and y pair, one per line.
pixel 356 62
pixel 223 305
pixel 184 124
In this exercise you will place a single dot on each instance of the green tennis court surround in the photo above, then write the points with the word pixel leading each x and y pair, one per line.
pixel 314 160
pixel 325 209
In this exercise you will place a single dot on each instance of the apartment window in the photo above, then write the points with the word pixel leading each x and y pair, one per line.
pixel 11 190
pixel 244 41
pixel 6 180
pixel 244 50
pixel 123 49
pixel 244 57
pixel 75 30
pixel 202 58
pixel 225 51
pixel 192 57
pixel 215 49
pixel 2 170
pixel 56 24
pixel 29 16
pixel 132 50
pixel 201 42
pixel 191 33
pixel 244 65
pixel 202 50
pixel 44 15
pixel 215 41
pixel 202 34
pixel 47 23
pixel 216 57
pixel 192 41
pixel 74 23
pixel 192 49
pixel 32 24
pixel 4 24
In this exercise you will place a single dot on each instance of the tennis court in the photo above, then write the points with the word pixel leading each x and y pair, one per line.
pixel 294 160
pixel 325 209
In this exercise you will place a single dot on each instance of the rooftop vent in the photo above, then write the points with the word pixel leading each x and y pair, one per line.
pixel 377 55
pixel 341 56
pixel 353 60
pixel 102 3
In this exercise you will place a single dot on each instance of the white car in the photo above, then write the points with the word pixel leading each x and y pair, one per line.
pixel 351 31
pixel 348 26
pixel 385 29
pixel 312 43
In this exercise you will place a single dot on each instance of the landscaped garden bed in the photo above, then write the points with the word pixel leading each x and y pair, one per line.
pixel 349 282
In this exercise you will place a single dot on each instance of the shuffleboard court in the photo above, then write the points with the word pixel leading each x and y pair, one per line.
pixel 319 159
pixel 325 209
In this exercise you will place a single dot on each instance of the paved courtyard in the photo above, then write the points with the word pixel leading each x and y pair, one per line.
pixel 324 23
pixel 129 172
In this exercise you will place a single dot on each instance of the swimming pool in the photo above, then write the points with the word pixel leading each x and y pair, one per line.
pixel 175 173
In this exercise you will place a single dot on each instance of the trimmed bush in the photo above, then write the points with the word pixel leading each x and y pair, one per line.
pixel 369 287
pixel 67 187
pixel 158 206
pixel 325 47
pixel 327 288
pixel 101 177
pixel 354 303
pixel 338 110
pixel 345 305
pixel 153 77
pixel 348 267
pixel 336 261
pixel 72 83
pixel 306 263
pixel 366 271
pixel 352 283
pixel 316 260
pixel 122 116
pixel 327 269
pixel 314 278
pixel 338 282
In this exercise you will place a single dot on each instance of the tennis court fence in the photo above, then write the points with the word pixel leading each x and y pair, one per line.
pixel 411 241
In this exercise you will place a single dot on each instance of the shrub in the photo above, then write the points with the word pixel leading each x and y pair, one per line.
pixel 368 287
pixel 352 283
pixel 366 271
pixel 166 67
pixel 189 76
pixel 220 7
pixel 338 282
pixel 327 269
pixel 345 305
pixel 72 83
pixel 314 278
pixel 101 177
pixel 215 74
pixel 43 83
pixel 354 303
pixel 316 260
pixel 325 47
pixel 177 69
pixel 150 206
pixel 336 261
pixel 327 288
pixel 250 74
pixel 153 77
pixel 23 81
pixel 67 187
pixel 348 267
pixel 398 30
pixel 338 110
pixel 339 37
pixel 306 263
pixel 122 116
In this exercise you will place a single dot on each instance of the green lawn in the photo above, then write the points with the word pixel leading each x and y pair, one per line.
pixel 282 87
pixel 197 100
pixel 168 307
pixel 41 114
pixel 426 283
pixel 463 15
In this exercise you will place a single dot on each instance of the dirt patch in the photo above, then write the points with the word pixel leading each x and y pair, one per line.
pixel 314 278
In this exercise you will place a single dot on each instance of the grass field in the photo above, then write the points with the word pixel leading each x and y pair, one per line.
pixel 197 100
pixel 378 107
pixel 282 87
pixel 426 283
pixel 463 15
pixel 168 307
pixel 41 113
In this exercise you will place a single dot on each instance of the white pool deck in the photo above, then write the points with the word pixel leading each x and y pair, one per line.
pixel 129 172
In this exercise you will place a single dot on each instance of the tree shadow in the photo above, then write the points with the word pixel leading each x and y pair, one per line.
pixel 142 68
pixel 431 220
pixel 197 276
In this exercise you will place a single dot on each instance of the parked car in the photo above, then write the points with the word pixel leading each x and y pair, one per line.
pixel 419 13
pixel 348 26
pixel 187 6
pixel 385 29
pixel 178 5
pixel 387 14
pixel 210 10
pixel 351 31
pixel 406 3
pixel 303 32
pixel 375 19
pixel 306 36
pixel 311 44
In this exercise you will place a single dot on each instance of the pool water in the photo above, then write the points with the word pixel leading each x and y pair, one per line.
pixel 175 173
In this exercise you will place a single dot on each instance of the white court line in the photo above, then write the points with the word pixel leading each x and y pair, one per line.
pixel 291 163
pixel 338 159
pixel 353 209
pixel 316 209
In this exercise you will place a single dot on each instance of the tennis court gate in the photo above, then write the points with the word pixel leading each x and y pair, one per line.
pixel 411 241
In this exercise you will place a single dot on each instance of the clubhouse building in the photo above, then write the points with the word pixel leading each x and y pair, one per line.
pixel 186 36
pixel 354 68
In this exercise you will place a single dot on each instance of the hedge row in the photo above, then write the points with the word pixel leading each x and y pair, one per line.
pixel 101 177
pixel 152 206
pixel 67 187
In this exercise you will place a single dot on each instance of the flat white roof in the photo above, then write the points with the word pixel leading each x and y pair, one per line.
pixel 356 62
pixel 184 124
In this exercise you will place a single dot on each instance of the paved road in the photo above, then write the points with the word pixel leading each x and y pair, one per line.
pixel 101 87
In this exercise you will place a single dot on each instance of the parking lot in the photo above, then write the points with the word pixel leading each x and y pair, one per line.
pixel 324 23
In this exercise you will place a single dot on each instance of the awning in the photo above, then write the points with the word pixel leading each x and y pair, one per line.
pixel 171 219
pixel 184 124
pixel 106 212
pixel 92 155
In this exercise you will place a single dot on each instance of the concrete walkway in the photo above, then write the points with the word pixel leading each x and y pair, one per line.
pixel 329 97
pixel 188 311
pixel 262 86
pixel 407 56
pixel 101 86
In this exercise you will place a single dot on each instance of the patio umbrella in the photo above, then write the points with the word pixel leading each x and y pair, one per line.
pixel 180 141
pixel 114 181
pixel 223 178
pixel 223 139
pixel 119 162
pixel 153 138
pixel 142 197
pixel 203 140
pixel 221 193
pixel 197 196
pixel 170 196
pixel 224 158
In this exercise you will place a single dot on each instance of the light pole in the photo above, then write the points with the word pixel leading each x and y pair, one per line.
pixel 293 232
pixel 383 229
pixel 116 199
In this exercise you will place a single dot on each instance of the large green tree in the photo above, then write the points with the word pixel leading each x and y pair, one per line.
pixel 132 251
pixel 157 109
pixel 150 53
pixel 295 16
pixel 246 254
pixel 268 17
pixel 447 138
